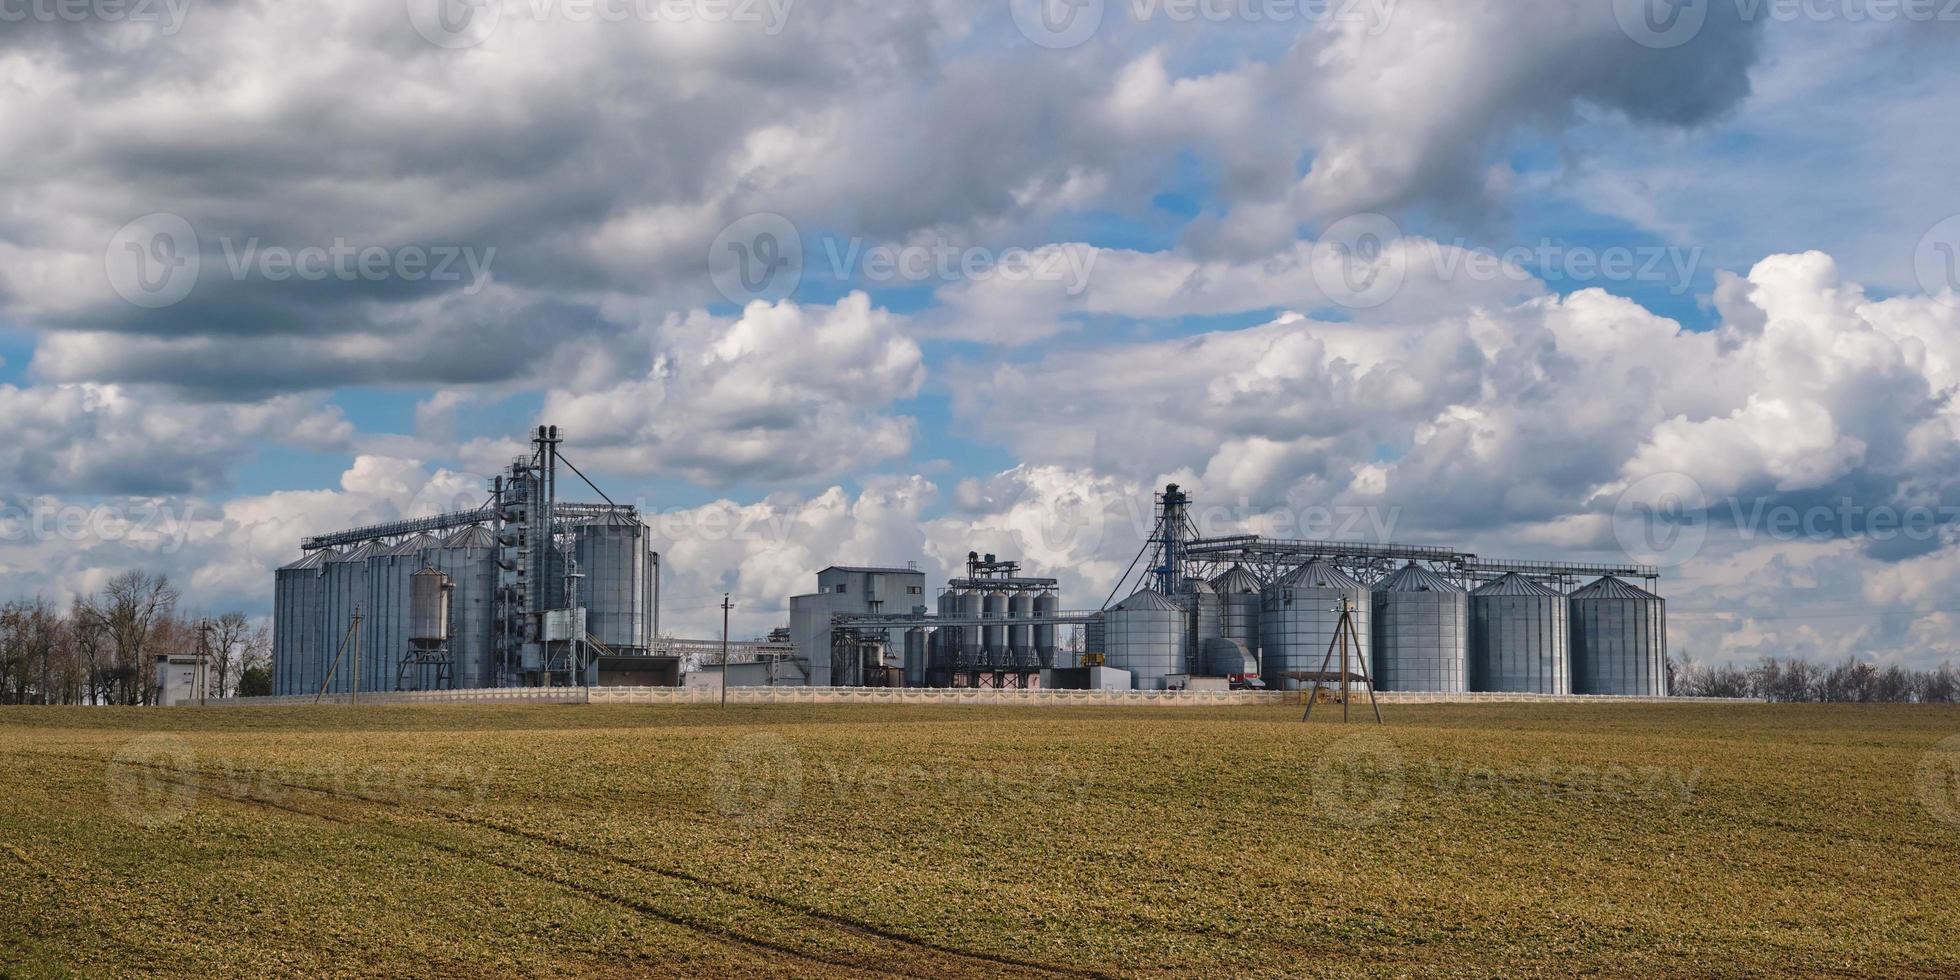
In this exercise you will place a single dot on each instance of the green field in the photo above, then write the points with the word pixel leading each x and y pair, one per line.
pixel 795 841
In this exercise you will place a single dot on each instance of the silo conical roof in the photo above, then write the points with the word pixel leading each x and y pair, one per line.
pixel 412 546
pixel 1415 578
pixel 1237 580
pixel 612 518
pixel 1147 599
pixel 362 553
pixel 1318 574
pixel 1612 588
pixel 474 536
pixel 1514 584
pixel 310 560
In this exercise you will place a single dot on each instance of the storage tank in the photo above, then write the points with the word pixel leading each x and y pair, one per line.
pixel 1204 615
pixel 1422 630
pixel 915 657
pixel 384 643
pixel 428 608
pixel 299 626
pixel 1619 640
pixel 1297 621
pixel 994 607
pixel 1046 605
pixel 1518 638
pixel 346 590
pixel 469 558
pixel 1092 636
pixel 1240 594
pixel 972 647
pixel 1145 635
pixel 1020 639
pixel 611 551
pixel 948 637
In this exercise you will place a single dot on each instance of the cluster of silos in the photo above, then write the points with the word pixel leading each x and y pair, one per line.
pixel 1299 617
pixel 1619 639
pixel 1421 627
pixel 299 637
pixel 999 641
pixel 1518 634
pixel 1147 635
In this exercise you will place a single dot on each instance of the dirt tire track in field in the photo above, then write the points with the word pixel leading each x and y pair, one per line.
pixel 965 958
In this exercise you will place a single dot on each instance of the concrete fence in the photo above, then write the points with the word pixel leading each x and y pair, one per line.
pixel 882 695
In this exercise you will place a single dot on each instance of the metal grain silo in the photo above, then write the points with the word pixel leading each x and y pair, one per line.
pixel 972 649
pixel 1422 627
pixel 1020 639
pixel 949 636
pixel 299 628
pixel 1145 635
pixel 346 591
pixel 1204 616
pixel 469 558
pixel 428 608
pixel 384 624
pixel 1092 636
pixel 611 551
pixel 1619 640
pixel 1297 621
pixel 1240 594
pixel 1518 638
pixel 915 658
pixel 994 607
pixel 1046 605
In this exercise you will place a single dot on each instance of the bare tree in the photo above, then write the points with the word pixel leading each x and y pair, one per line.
pixel 129 612
pixel 228 636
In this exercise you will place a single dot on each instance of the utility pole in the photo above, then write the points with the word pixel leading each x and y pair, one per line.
pixel 203 658
pixel 355 697
pixel 725 607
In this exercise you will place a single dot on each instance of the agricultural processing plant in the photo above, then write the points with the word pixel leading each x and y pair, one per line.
pixel 959 488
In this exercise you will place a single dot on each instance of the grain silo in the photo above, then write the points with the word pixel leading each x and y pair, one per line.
pixel 1297 623
pixel 1046 605
pixel 1204 618
pixel 469 558
pixel 1619 640
pixel 1145 635
pixel 1092 637
pixel 1518 638
pixel 993 638
pixel 973 648
pixel 1020 639
pixel 346 591
pixel 1422 624
pixel 384 624
pixel 617 588
pixel 1240 594
pixel 299 624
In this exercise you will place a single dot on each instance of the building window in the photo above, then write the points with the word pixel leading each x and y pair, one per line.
pixel 915 590
pixel 840 588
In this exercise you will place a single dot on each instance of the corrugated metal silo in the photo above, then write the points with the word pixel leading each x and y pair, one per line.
pixel 1046 604
pixel 1619 640
pixel 1422 627
pixel 1297 621
pixel 972 650
pixel 469 558
pixel 1020 639
pixel 949 637
pixel 611 551
pixel 994 638
pixel 1145 635
pixel 384 642
pixel 1518 638
pixel 1092 635
pixel 299 624
pixel 1204 616
pixel 915 658
pixel 346 590
pixel 1240 594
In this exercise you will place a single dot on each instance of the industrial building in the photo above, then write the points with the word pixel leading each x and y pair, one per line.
pixel 531 590
pixel 526 590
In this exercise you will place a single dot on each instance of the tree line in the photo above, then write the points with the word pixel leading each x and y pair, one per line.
pixel 102 648
pixel 1852 681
